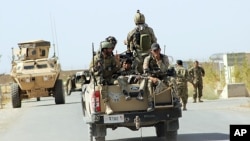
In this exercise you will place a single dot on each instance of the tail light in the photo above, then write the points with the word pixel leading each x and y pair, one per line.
pixel 95 100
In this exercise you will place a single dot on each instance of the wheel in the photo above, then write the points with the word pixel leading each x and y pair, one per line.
pixel 38 99
pixel 68 87
pixel 59 92
pixel 171 135
pixel 15 95
pixel 171 128
pixel 100 138
pixel 160 129
pixel 83 107
pixel 90 132
pixel 97 131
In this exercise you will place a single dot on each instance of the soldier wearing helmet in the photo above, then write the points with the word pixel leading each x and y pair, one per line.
pixel 132 42
pixel 112 40
pixel 103 66
pixel 140 39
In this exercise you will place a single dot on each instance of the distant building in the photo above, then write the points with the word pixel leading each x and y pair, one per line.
pixel 228 61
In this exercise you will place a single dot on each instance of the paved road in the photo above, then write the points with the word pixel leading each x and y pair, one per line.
pixel 43 120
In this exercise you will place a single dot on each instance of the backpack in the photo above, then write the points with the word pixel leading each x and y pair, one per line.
pixel 142 39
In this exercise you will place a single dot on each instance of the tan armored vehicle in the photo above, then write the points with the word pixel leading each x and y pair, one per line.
pixel 34 74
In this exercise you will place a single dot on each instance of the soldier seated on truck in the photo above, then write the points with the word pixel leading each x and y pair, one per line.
pixel 155 62
pixel 128 76
pixel 103 66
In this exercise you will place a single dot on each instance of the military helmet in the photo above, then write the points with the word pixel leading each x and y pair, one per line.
pixel 112 40
pixel 139 18
pixel 106 44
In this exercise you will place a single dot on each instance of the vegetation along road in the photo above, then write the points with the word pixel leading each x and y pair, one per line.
pixel 43 120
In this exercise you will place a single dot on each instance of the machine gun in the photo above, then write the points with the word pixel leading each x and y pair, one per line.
pixel 156 72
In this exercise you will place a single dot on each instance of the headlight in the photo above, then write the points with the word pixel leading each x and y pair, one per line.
pixel 27 80
pixel 45 78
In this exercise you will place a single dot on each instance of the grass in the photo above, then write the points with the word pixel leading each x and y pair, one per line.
pixel 208 92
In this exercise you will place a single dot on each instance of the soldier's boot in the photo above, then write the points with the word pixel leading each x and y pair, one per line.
pixel 151 106
pixel 140 95
pixel 127 96
pixel 108 109
pixel 194 100
pixel 200 100
pixel 184 107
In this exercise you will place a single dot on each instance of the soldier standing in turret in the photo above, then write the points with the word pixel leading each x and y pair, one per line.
pixel 140 39
pixel 104 66
pixel 196 73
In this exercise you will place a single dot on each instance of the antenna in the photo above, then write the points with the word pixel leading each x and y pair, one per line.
pixel 53 30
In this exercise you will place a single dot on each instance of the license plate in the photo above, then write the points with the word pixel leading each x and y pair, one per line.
pixel 113 118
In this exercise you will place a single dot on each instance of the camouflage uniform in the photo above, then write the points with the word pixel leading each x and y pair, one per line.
pixel 143 29
pixel 181 82
pixel 104 73
pixel 150 64
pixel 196 74
pixel 138 45
pixel 124 77
pixel 103 68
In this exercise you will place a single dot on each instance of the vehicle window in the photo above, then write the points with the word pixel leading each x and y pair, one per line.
pixel 41 66
pixel 28 67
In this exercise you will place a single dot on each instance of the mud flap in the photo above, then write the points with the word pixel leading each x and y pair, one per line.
pixel 172 125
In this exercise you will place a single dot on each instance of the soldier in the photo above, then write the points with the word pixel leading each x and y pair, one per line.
pixel 196 73
pixel 103 67
pixel 159 62
pixel 140 39
pixel 181 82
pixel 112 40
pixel 124 73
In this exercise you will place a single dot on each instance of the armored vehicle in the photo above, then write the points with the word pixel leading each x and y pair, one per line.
pixel 34 74
pixel 132 114
pixel 75 81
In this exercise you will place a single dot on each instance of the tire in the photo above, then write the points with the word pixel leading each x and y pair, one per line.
pixel 99 138
pixel 160 129
pixel 171 136
pixel 38 99
pixel 83 106
pixel 68 87
pixel 98 132
pixel 90 132
pixel 59 92
pixel 15 96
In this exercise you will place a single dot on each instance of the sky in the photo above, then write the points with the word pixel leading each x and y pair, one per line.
pixel 189 29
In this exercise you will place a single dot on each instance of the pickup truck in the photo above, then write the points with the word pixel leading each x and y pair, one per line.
pixel 131 114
